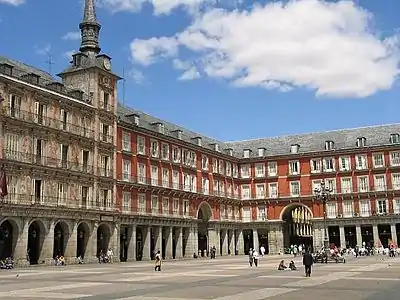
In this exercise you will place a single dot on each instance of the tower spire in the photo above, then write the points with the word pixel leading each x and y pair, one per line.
pixel 90 29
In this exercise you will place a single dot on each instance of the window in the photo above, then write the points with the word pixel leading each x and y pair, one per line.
pixel 380 183
pixel 215 187
pixel 105 135
pixel 186 182
pixel 378 160
pixel 64 156
pixel 40 113
pixel 330 183
pixel 344 163
pixel 260 191
pixel 141 203
pixel 230 212
pixel 273 190
pixel 165 151
pixel 294 148
pixel 206 186
pixel 154 205
pixel 192 159
pixel 260 170
pixel 246 153
pixel 221 167
pixel 261 152
pixel 105 199
pixel 12 146
pixel 85 196
pixel 331 209
pixel 165 205
pixel 175 179
pixel 246 193
pixel 316 185
pixel 261 216
pixel 176 155
pixel 237 213
pixel 346 185
pixel 395 138
pixel 246 214
pixel 126 141
pixel 223 212
pixel 141 145
pixel 204 162
pixel 329 145
pixel 154 150
pixel 365 208
pixel 329 164
pixel 396 181
pixel 235 171
pixel 14 106
pixel 361 142
pixel 395 159
pixel 361 162
pixel 38 191
pixel 236 190
pixel 186 207
pixel 294 167
pixel 105 165
pixel 126 202
pixel 126 176
pixel 382 206
pixel 141 173
pixel 193 184
pixel 154 175
pixel 62 194
pixel 106 101
pixel 396 206
pixel 315 165
pixel 295 188
pixel 245 171
pixel 229 189
pixel 363 185
pixel 348 208
pixel 64 118
pixel 272 168
pixel 185 157
pixel 175 209
pixel 228 169
pixel 165 177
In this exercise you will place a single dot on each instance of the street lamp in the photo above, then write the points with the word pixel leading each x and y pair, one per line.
pixel 323 193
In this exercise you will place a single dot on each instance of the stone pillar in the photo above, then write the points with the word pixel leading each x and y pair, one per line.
pixel 195 239
pixel 256 245
pixel 359 240
pixel 91 249
pixel 168 243
pixel 275 240
pixel 47 238
pixel 70 251
pixel 115 244
pixel 192 242
pixel 214 240
pixel 225 244
pixel 376 235
pixel 158 235
pixel 21 243
pixel 179 243
pixel 318 238
pixel 231 238
pixel 394 233
pixel 146 243
pixel 240 242
pixel 342 237
pixel 132 243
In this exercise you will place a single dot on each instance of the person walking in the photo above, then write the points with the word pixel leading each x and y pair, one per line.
pixel 251 259
pixel 308 262
pixel 157 266
pixel 255 257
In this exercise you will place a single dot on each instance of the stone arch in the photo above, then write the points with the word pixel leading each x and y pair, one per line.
pixel 9 232
pixel 61 237
pixel 204 211
pixel 288 209
pixel 84 232
pixel 36 234
pixel 103 238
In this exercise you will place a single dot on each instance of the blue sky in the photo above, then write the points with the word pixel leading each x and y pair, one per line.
pixel 231 69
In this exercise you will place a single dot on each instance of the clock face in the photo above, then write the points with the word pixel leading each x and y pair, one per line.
pixel 107 64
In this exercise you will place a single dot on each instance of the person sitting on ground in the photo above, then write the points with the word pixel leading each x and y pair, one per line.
pixel 292 266
pixel 282 266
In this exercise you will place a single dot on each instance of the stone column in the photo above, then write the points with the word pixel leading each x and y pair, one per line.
pixel 394 233
pixel 179 243
pixel 318 239
pixel 146 243
pixel 376 235
pixel 225 244
pixel 168 243
pixel 231 238
pixel 70 251
pixel 342 237
pixel 191 246
pixel 358 236
pixel 158 235
pixel 21 243
pixel 47 238
pixel 240 243
pixel 115 244
pixel 195 239
pixel 132 243
pixel 213 237
pixel 256 244
pixel 91 249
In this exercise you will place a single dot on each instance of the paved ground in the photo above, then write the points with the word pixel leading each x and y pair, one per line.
pixel 221 279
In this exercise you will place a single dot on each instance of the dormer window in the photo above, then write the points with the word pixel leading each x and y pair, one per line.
pixel 395 138
pixel 159 127
pixel 136 120
pixel 261 152
pixel 294 148
pixel 216 147
pixel 361 142
pixel 178 134
pixel 229 151
pixel 198 140
pixel 246 153
pixel 329 145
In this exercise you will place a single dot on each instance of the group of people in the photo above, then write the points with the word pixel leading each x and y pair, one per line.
pixel 7 263
pixel 106 257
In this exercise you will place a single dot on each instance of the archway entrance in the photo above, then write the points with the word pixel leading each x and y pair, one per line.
pixel 297 226
pixel 203 215
pixel 103 239
pixel 7 236
pixel 36 234
pixel 124 244
pixel 83 237
pixel 61 235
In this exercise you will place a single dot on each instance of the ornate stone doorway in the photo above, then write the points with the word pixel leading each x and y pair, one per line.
pixel 103 239
pixel 83 237
pixel 7 236
pixel 297 227
pixel 204 215
pixel 36 234
pixel 61 234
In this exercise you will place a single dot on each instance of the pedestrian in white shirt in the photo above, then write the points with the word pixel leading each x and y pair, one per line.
pixel 255 257
pixel 262 249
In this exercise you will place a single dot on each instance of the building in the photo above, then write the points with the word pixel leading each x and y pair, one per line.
pixel 86 174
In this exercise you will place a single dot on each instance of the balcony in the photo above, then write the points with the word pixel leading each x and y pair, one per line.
pixel 106 138
pixel 105 172
pixel 48 162
pixel 41 120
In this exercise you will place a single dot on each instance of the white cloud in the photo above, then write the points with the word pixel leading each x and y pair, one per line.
pixel 190 71
pixel 12 2
pixel 329 47
pixel 137 76
pixel 71 36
